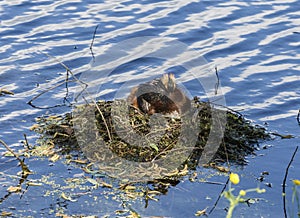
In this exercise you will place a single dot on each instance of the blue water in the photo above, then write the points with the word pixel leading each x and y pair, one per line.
pixel 254 44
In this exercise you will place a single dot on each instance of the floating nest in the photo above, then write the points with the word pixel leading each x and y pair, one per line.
pixel 112 131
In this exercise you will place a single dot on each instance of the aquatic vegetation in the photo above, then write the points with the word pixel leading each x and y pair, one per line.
pixel 240 139
pixel 296 183
pixel 234 178
pixel 295 197
pixel 235 200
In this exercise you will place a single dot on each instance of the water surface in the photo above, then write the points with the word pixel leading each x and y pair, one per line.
pixel 254 44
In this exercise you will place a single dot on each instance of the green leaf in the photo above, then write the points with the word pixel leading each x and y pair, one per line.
pixel 154 146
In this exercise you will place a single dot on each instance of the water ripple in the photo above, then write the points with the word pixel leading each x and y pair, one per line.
pixel 254 44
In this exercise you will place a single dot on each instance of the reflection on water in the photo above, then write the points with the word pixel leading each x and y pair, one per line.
pixel 255 46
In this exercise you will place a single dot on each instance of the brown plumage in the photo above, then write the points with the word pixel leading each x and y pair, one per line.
pixel 160 95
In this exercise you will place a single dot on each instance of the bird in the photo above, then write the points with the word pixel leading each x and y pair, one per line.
pixel 161 95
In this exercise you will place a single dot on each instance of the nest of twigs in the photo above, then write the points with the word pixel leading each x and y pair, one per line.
pixel 134 136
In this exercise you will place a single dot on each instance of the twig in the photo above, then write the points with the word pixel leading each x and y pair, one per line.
pixel 92 43
pixel 213 183
pixel 282 136
pixel 84 86
pixel 25 169
pixel 68 70
pixel 284 182
pixel 67 89
pixel 51 88
pixel 218 81
pixel 228 108
pixel 43 92
pixel 5 91
pixel 165 151
pixel 217 201
pixel 26 142
pixel 10 150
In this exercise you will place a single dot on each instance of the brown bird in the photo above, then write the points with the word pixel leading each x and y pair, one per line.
pixel 160 95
